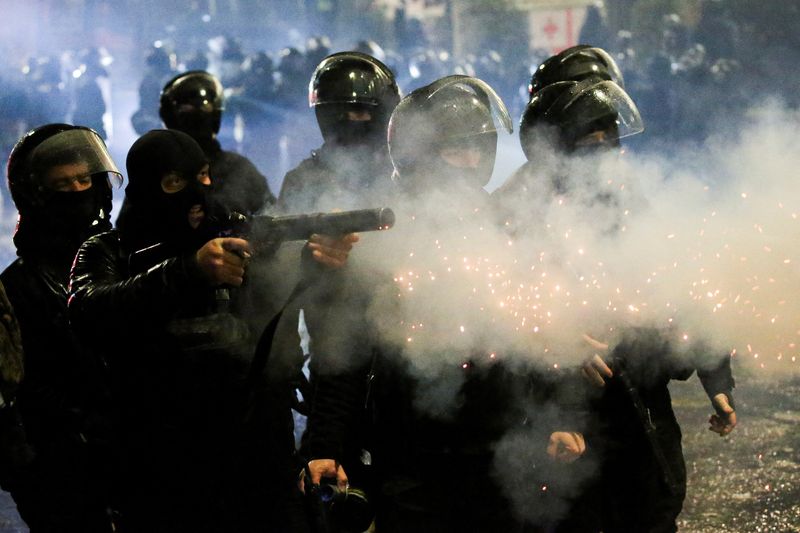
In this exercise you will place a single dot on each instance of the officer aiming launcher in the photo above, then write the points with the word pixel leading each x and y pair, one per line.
pixel 264 231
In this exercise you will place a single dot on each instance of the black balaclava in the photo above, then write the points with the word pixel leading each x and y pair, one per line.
pixel 338 130
pixel 53 231
pixel 154 216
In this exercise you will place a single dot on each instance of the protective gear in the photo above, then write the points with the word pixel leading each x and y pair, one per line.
pixel 53 224
pixel 155 216
pixel 52 145
pixel 61 397
pixel 193 103
pixel 575 64
pixel 347 82
pixel 455 112
pixel 592 112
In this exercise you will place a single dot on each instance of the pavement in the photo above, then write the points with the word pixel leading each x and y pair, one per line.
pixel 748 481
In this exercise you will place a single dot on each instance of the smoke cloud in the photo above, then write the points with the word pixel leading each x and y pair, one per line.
pixel 701 244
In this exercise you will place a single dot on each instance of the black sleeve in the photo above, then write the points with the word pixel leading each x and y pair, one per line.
pixel 717 378
pixel 343 349
pixel 104 297
pixel 336 408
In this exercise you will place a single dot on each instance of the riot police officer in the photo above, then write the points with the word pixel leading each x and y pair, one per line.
pixel 60 178
pixel 428 471
pixel 353 95
pixel 575 64
pixel 641 481
pixel 193 102
pixel 577 107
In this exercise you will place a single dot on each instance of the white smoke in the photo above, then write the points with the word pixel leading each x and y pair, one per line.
pixel 702 244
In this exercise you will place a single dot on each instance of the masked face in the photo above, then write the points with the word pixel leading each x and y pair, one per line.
pixel 199 123
pixel 350 125
pixel 75 207
pixel 182 203
pixel 188 194
pixel 596 143
pixel 168 183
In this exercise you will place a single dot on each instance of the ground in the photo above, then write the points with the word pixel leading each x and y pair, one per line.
pixel 750 480
pixel 746 482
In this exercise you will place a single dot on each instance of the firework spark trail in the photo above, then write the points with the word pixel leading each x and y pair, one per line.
pixel 710 254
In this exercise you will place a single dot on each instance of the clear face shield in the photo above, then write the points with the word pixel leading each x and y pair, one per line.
pixel 72 156
pixel 473 118
pixel 481 92
pixel 594 102
pixel 472 113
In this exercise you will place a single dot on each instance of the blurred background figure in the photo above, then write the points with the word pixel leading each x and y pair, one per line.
pixel 89 102
pixel 159 68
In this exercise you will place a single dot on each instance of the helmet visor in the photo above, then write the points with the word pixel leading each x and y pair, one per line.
pixel 484 92
pixel 75 147
pixel 608 105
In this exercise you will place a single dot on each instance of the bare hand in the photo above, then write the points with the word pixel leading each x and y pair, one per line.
pixel 595 368
pixel 331 251
pixel 566 446
pixel 724 424
pixel 324 468
pixel 223 260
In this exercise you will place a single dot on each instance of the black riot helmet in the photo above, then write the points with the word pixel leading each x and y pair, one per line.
pixel 575 64
pixel 193 103
pixel 572 115
pixel 453 112
pixel 60 178
pixel 353 82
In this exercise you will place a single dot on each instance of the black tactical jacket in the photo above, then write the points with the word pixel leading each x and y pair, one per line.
pixel 237 185
pixel 197 426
